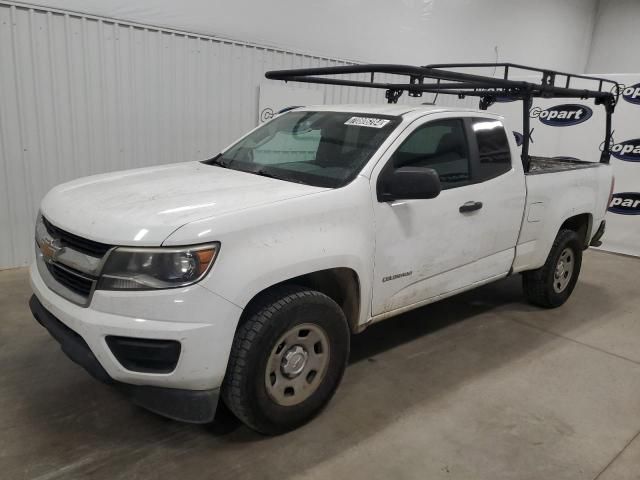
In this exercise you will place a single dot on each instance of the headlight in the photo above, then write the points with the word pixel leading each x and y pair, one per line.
pixel 154 268
pixel 41 230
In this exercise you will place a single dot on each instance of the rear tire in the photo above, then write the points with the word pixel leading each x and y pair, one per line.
pixel 551 285
pixel 287 359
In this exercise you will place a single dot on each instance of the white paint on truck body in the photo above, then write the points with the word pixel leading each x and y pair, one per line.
pixel 404 254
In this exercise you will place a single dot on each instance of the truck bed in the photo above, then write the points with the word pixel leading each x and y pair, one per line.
pixel 581 189
pixel 557 164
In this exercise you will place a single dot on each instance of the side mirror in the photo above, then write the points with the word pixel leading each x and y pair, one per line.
pixel 407 183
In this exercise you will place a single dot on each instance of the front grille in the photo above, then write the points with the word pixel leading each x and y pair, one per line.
pixel 75 242
pixel 74 281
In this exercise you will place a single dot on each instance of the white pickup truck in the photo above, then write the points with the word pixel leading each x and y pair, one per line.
pixel 243 276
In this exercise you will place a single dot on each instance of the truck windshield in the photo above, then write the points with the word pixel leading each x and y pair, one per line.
pixel 324 149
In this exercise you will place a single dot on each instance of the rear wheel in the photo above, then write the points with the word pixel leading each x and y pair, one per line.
pixel 551 285
pixel 287 359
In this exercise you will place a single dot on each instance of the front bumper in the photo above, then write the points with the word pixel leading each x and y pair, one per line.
pixel 202 322
pixel 195 406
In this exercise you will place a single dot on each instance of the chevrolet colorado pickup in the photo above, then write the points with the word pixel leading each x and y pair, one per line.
pixel 243 277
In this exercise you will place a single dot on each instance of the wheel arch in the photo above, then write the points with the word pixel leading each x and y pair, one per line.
pixel 341 284
pixel 582 224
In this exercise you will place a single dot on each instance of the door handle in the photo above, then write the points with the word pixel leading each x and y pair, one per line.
pixel 470 207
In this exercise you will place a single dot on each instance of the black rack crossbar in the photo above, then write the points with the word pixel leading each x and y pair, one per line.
pixel 549 77
pixel 451 82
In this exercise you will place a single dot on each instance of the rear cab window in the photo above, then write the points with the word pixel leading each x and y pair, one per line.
pixel 494 154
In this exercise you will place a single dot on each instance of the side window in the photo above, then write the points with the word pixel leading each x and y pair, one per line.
pixel 441 145
pixel 493 149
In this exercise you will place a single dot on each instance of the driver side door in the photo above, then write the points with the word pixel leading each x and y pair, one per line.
pixel 428 248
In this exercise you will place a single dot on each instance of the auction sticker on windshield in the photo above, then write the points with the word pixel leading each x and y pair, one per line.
pixel 367 122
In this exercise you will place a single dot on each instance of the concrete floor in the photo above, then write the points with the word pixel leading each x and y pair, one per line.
pixel 481 386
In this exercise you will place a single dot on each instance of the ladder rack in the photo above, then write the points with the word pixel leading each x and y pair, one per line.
pixel 449 80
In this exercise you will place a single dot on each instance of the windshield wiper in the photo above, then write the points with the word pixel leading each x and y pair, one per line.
pixel 284 178
pixel 218 161
pixel 262 172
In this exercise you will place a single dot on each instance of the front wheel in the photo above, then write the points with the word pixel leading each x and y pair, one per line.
pixel 551 285
pixel 287 359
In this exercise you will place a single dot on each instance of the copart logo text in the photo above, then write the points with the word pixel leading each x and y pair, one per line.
pixel 562 115
pixel 625 203
pixel 629 150
pixel 630 93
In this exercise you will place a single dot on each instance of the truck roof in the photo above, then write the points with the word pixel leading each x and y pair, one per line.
pixel 394 109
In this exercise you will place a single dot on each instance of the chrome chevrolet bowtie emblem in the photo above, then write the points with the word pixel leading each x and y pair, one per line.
pixel 51 248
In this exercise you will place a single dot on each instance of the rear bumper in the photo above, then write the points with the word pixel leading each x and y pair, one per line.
pixel 194 406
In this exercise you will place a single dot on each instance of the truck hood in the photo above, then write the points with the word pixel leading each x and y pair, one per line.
pixel 144 206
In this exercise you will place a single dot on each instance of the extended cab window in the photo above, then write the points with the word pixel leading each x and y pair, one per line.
pixel 324 149
pixel 441 145
pixel 493 149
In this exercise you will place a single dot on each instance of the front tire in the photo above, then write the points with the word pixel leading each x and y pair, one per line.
pixel 551 285
pixel 287 359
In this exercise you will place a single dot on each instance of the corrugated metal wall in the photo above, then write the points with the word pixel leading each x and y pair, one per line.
pixel 81 95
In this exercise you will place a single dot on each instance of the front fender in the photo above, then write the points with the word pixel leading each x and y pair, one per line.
pixel 263 246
